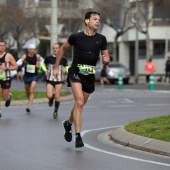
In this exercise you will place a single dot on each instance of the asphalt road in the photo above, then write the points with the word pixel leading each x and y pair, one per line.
pixel 35 141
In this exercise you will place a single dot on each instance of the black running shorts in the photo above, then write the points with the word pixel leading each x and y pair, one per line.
pixel 5 84
pixel 53 83
pixel 87 81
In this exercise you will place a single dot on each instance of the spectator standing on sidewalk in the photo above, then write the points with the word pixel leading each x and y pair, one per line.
pixel 7 63
pixel 103 74
pixel 30 61
pixel 54 84
pixel 150 69
pixel 88 45
pixel 167 70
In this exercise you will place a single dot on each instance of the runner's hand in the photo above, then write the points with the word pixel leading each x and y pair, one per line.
pixel 105 59
pixel 47 73
pixel 3 67
pixel 55 73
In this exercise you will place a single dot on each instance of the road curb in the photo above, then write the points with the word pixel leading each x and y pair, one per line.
pixel 121 136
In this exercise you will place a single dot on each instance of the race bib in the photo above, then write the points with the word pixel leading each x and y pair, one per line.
pixel 30 68
pixel 2 74
pixel 86 69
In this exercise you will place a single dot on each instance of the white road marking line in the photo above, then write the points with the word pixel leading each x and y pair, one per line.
pixel 157 105
pixel 122 100
pixel 115 154
pixel 121 105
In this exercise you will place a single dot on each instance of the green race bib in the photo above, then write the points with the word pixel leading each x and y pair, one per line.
pixel 2 75
pixel 86 69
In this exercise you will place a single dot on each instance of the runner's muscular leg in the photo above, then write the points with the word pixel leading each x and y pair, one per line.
pixel 80 100
pixel 49 91
pixel 31 92
pixel 5 94
pixel 58 88
pixel 86 96
pixel 27 87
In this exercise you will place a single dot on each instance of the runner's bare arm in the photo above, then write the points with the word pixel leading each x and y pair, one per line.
pixel 13 64
pixel 38 57
pixel 105 57
pixel 20 61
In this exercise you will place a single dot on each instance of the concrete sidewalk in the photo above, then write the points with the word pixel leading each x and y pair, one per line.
pixel 121 136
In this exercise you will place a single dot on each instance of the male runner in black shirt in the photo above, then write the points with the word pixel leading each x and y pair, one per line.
pixel 87 47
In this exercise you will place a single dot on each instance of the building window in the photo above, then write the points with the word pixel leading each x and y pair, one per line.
pixel 159 49
pixel 142 49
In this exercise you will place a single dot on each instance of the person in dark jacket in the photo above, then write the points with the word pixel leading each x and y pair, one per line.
pixel 167 70
pixel 103 75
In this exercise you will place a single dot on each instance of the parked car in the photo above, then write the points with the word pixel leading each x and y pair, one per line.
pixel 113 71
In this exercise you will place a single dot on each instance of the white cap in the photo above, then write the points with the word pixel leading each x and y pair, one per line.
pixel 31 46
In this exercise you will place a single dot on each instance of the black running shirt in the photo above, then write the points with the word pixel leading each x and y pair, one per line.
pixel 52 59
pixel 31 65
pixel 87 48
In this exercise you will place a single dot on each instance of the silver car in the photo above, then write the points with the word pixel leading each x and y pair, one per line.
pixel 114 69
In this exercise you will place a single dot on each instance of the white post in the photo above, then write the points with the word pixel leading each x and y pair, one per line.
pixel 136 47
pixel 54 22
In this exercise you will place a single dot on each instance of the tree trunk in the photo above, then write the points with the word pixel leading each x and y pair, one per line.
pixel 147 45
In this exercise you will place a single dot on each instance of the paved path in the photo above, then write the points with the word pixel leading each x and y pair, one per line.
pixel 118 135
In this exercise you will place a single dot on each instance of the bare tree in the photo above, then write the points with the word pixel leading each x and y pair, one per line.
pixel 18 28
pixel 144 19
pixel 161 10
pixel 3 28
pixel 149 12
pixel 116 13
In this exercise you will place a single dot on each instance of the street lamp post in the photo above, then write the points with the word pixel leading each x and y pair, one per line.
pixel 54 22
pixel 136 46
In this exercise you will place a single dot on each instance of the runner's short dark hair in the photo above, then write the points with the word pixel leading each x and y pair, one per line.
pixel 88 14
pixel 2 41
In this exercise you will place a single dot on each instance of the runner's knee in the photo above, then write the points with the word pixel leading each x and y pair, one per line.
pixel 80 103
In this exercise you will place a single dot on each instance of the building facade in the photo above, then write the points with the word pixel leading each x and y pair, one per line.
pixel 71 19
pixel 159 47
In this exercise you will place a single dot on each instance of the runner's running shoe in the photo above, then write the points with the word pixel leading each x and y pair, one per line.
pixel 68 132
pixel 8 102
pixel 28 110
pixel 55 115
pixel 0 114
pixel 50 102
pixel 78 142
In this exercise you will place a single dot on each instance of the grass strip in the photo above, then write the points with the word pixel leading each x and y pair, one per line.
pixel 157 128
pixel 21 95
